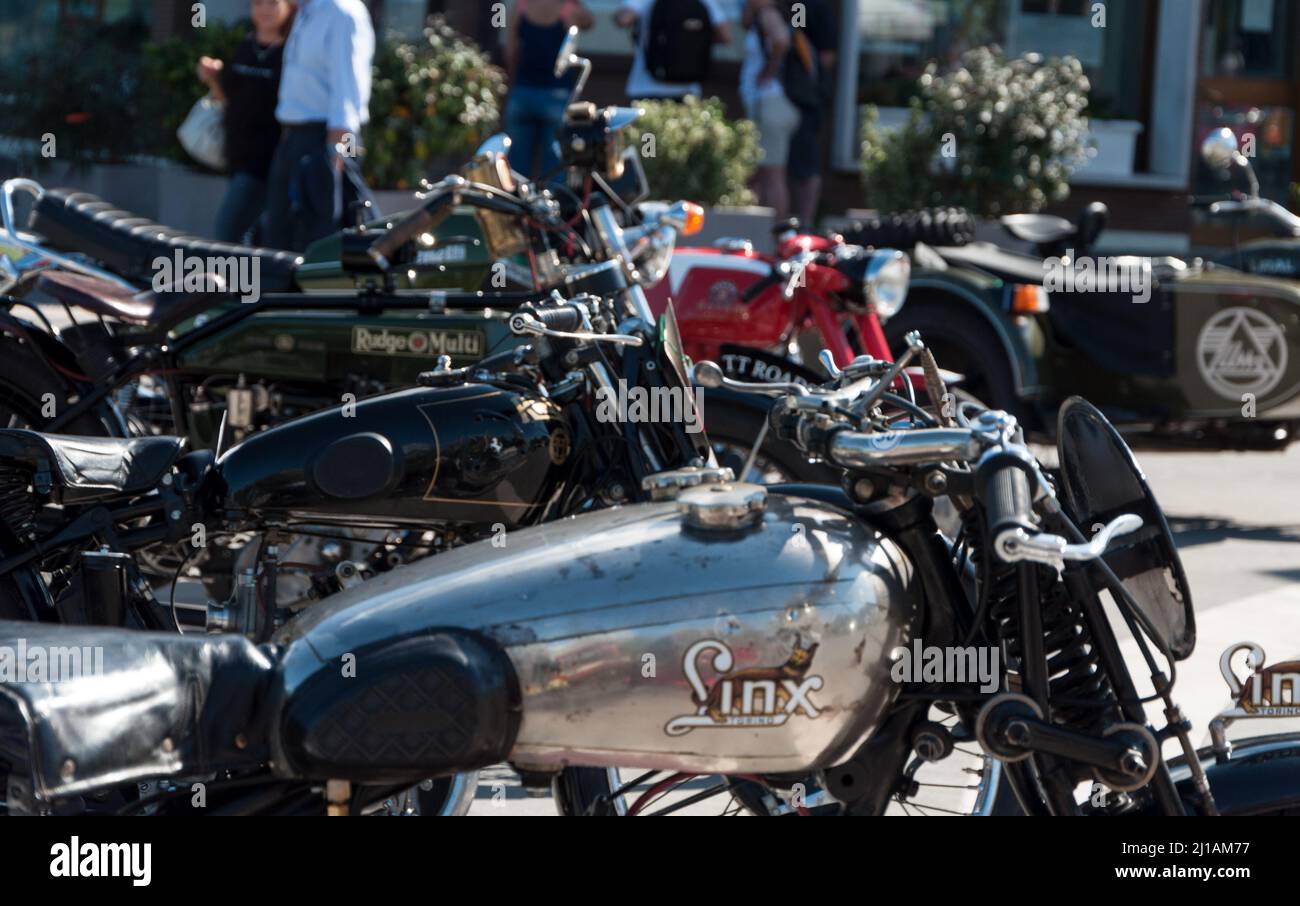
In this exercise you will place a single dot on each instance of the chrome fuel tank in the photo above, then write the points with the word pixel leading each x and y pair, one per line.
pixel 641 639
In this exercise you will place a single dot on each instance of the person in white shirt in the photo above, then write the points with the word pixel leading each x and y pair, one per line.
pixel 324 100
pixel 640 84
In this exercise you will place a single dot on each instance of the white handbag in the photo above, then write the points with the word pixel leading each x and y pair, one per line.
pixel 203 134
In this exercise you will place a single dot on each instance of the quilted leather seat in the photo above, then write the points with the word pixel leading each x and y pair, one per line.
pixel 127 244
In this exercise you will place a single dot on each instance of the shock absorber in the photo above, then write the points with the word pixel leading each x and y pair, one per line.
pixel 1078 689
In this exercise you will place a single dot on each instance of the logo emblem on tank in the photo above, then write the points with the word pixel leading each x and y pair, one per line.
pixel 752 697
pixel 422 343
pixel 1241 350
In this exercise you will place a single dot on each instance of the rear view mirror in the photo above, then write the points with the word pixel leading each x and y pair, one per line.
pixel 1219 149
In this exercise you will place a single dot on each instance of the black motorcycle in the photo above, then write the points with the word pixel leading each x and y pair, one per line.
pixel 778 650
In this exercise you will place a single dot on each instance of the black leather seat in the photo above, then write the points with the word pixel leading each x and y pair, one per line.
pixel 139 704
pixel 127 244
pixel 156 311
pixel 86 468
pixel 1012 267
pixel 1040 229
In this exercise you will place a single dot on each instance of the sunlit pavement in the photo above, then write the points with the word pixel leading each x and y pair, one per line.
pixel 1236 519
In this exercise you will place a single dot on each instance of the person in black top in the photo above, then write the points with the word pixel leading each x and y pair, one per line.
pixel 249 85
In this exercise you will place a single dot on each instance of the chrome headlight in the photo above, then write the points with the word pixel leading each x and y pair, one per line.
pixel 885 282
pixel 657 253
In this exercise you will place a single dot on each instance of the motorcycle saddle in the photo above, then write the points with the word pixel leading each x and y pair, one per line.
pixel 85 468
pixel 102 706
pixel 1040 229
pixel 128 244
pixel 1012 267
pixel 156 311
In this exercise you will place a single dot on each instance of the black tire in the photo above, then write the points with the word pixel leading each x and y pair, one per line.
pixel 961 341
pixel 733 426
pixel 25 378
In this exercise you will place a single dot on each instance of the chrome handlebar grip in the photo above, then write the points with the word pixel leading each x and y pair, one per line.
pixel 854 449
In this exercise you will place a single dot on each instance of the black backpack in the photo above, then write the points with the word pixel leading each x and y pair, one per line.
pixel 801 75
pixel 679 46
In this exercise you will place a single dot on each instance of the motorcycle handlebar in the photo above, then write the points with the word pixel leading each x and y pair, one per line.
pixel 564 318
pixel 1005 485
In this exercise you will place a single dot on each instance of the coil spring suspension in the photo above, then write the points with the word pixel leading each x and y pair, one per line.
pixel 17 503
pixel 1079 691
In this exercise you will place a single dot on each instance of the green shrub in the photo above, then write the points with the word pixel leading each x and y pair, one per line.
pixel 994 136
pixel 692 151
pixel 80 87
pixel 439 96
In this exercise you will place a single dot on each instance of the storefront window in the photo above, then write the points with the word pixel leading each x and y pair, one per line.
pixel 897 38
pixel 1248 38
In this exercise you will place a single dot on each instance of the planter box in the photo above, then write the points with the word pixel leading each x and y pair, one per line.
pixel 752 222
pixel 1114 142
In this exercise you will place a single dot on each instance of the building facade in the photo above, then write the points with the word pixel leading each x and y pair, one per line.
pixel 1163 74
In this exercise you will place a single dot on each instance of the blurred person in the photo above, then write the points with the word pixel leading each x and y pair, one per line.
pixel 804 166
pixel 674 26
pixel 535 108
pixel 324 101
pixel 767 42
pixel 249 86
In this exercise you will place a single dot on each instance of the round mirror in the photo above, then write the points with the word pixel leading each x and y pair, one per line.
pixel 1219 149
pixel 568 50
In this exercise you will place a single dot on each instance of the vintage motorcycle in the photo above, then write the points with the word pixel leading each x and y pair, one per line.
pixel 1276 256
pixel 154 359
pixel 1183 354
pixel 775 652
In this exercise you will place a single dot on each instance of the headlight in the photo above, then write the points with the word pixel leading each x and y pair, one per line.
pixel 657 253
pixel 885 283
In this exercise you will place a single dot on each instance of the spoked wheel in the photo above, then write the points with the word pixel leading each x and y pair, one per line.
pixel 955 778
pixel 964 781
pixel 440 797
pixel 632 792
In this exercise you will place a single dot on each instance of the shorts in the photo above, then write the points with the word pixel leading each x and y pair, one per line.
pixel 776 119
pixel 805 159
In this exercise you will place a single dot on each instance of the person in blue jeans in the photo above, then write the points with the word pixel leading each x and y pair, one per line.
pixel 249 85
pixel 535 109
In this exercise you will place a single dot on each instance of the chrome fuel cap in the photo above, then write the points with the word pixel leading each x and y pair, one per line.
pixel 723 507
pixel 667 485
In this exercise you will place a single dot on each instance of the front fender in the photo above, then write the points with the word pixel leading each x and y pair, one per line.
pixel 1263 775
pixel 983 296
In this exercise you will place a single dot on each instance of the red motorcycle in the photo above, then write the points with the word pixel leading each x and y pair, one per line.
pixel 763 318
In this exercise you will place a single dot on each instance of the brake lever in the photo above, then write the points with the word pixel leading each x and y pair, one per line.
pixel 524 324
pixel 1016 545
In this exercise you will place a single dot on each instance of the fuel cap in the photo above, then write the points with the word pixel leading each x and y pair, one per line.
pixel 667 485
pixel 723 507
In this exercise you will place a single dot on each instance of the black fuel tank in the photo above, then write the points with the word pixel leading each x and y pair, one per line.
pixel 424 456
